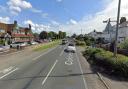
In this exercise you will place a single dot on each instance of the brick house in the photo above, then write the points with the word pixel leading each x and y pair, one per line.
pixel 15 33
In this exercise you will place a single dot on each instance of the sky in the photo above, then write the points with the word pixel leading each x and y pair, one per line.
pixel 66 15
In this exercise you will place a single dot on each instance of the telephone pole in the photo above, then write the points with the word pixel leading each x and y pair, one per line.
pixel 117 28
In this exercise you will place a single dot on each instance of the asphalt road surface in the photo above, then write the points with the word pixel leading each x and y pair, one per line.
pixel 54 69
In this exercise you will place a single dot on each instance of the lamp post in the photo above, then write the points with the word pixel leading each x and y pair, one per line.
pixel 117 28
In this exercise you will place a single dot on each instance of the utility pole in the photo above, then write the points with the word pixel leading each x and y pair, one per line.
pixel 117 28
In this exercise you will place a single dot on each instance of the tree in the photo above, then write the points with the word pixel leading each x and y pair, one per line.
pixel 80 37
pixel 50 34
pixel 122 20
pixel 62 34
pixel 74 35
pixel 36 36
pixel 100 40
pixel 43 35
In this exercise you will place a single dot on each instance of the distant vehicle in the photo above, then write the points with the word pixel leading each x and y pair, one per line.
pixel 18 44
pixel 34 43
pixel 71 48
pixel 64 41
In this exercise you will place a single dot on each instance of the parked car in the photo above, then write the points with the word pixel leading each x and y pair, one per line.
pixel 71 48
pixel 18 44
pixel 34 43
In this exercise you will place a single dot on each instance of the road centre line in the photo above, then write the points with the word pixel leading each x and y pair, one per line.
pixel 49 72
pixel 44 53
pixel 8 73
pixel 85 84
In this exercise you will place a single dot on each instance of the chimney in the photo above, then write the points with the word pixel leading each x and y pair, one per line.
pixel 30 26
pixel 15 22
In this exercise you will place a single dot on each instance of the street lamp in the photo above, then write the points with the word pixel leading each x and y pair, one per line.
pixel 117 28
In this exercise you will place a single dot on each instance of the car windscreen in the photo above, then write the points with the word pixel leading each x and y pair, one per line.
pixel 71 45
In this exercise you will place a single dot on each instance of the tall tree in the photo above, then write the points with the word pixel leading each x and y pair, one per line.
pixel 43 35
pixel 122 20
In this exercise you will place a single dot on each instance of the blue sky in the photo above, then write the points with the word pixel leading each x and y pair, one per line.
pixel 54 14
pixel 58 11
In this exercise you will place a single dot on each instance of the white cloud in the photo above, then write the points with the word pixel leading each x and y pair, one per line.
pixel 45 15
pixel 4 19
pixel 95 21
pixel 54 23
pixel 73 22
pixel 36 10
pixel 17 6
pixel 37 27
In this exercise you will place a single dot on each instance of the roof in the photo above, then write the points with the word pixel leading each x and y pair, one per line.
pixel 108 28
pixel 98 32
pixel 22 35
pixel 124 24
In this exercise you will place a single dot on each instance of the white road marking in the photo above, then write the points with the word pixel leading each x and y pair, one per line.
pixel 44 54
pixel 69 60
pixel 49 72
pixel 7 70
pixel 8 73
pixel 85 84
pixel 68 63
pixel 62 51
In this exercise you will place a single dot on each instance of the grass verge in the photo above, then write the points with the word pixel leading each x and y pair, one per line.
pixel 46 45
pixel 117 65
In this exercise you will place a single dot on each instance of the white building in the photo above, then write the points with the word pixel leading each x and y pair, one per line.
pixel 109 33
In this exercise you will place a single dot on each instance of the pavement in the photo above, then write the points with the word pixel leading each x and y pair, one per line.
pixel 52 69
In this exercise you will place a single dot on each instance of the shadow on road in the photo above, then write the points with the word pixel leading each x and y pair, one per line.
pixel 33 77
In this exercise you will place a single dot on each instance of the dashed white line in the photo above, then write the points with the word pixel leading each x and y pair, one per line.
pixel 85 84
pixel 49 72
pixel 8 73
pixel 43 54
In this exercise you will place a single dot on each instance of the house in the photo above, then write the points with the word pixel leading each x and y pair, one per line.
pixel 13 33
pixel 110 31
pixel 122 32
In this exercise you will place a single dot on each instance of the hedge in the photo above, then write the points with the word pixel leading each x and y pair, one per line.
pixel 80 43
pixel 118 65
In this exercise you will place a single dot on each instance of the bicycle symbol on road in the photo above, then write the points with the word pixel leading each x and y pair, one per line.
pixel 69 59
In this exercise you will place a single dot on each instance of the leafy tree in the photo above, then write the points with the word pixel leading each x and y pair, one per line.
pixel 62 34
pixel 74 35
pixel 43 35
pixel 123 19
pixel 35 34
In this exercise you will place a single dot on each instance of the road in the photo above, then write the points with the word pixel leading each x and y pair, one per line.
pixel 54 69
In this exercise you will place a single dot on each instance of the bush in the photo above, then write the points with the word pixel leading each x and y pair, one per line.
pixel 80 43
pixel 105 59
pixel 124 45
pixel 2 42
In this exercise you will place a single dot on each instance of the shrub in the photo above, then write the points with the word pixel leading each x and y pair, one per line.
pixel 124 45
pixel 80 43
pixel 105 59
